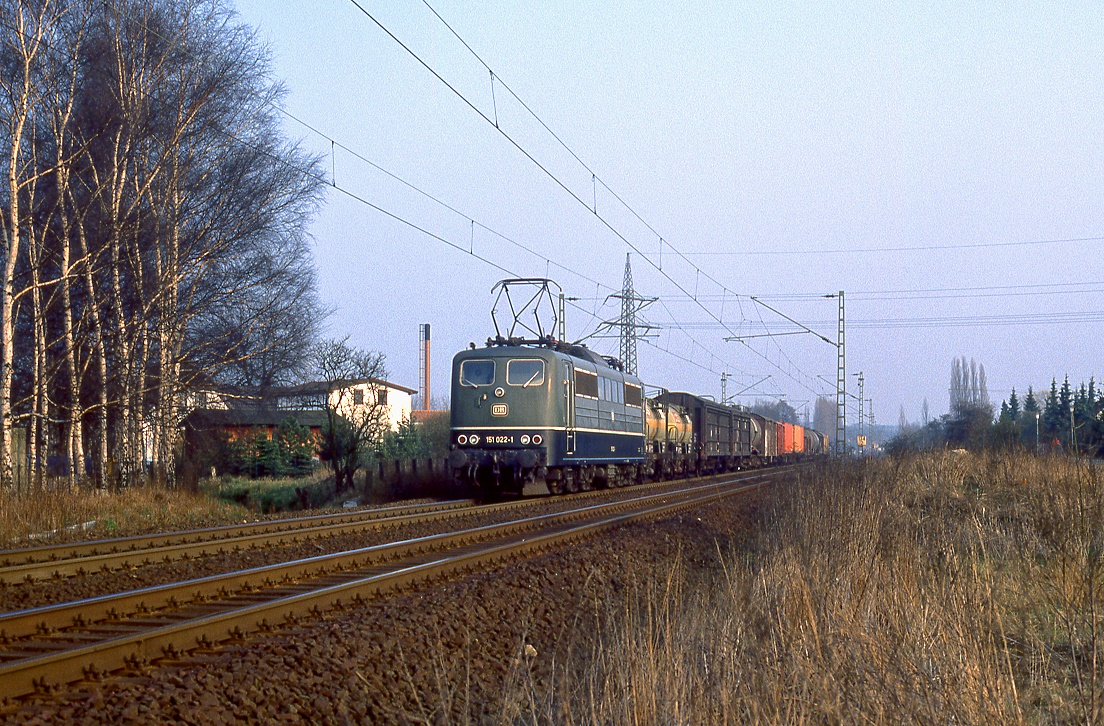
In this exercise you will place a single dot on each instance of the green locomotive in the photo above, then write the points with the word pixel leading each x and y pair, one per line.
pixel 558 414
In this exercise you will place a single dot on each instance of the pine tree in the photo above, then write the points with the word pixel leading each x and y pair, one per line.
pixel 1029 421
pixel 1065 411
pixel 1031 404
pixel 1052 417
pixel 1014 406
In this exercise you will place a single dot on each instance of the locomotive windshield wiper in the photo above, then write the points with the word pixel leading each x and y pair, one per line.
pixel 532 378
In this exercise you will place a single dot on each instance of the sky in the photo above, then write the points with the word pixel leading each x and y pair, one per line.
pixel 940 163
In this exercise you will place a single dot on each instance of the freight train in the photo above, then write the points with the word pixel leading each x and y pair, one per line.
pixel 563 415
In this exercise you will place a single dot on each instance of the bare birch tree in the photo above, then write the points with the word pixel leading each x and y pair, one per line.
pixel 153 225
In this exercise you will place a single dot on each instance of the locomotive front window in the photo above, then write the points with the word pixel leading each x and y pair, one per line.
pixel 477 373
pixel 525 372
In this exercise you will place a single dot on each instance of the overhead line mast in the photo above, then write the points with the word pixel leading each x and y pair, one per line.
pixel 841 384
pixel 628 320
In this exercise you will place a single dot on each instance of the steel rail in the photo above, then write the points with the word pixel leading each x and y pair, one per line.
pixel 129 552
pixel 138 543
pixel 22 677
pixel 50 618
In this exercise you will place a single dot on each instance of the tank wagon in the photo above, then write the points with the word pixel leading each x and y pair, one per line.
pixel 562 415
pixel 764 440
pixel 816 443
pixel 670 438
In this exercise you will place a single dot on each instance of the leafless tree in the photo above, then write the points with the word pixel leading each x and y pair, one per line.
pixel 352 428
pixel 968 385
pixel 824 415
pixel 153 225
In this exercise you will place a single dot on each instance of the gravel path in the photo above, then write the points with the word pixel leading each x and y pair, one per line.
pixel 440 653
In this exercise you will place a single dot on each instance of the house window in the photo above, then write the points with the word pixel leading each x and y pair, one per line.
pixel 358 397
pixel 381 397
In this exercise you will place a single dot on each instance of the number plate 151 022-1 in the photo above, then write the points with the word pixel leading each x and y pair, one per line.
pixel 499 409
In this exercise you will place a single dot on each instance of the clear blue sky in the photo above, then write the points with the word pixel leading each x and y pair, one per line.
pixel 882 147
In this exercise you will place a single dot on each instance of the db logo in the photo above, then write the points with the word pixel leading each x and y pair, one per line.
pixel 500 409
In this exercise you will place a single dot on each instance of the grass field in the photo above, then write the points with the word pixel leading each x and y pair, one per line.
pixel 944 588
pixel 54 514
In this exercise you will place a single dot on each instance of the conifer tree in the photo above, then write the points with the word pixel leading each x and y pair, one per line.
pixel 1029 421
pixel 1052 417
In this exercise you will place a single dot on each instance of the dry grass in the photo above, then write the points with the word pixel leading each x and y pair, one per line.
pixel 59 514
pixel 939 589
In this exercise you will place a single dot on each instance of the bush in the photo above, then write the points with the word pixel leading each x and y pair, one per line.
pixel 289 453
pixel 275 495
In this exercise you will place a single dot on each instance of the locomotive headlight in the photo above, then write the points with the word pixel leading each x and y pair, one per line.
pixel 538 439
pixel 525 439
pixel 461 439
pixel 473 439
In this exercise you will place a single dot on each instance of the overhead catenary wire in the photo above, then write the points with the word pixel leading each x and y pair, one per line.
pixel 595 178
pixel 1051 318
pixel 875 250
pixel 470 250
pixel 937 293
pixel 437 200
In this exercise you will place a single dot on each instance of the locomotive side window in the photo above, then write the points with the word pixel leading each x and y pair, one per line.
pixel 525 372
pixel 586 384
pixel 610 390
pixel 477 373
pixel 632 395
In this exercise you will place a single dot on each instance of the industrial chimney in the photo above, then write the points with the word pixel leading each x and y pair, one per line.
pixel 423 360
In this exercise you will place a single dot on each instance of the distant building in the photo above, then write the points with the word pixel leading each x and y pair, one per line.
pixel 234 413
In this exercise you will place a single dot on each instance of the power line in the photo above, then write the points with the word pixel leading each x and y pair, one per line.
pixel 334 143
pixel 875 250
pixel 557 180
pixel 939 293
pixel 1049 318
pixel 337 144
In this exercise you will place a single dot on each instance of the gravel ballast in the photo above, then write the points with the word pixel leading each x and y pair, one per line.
pixel 440 653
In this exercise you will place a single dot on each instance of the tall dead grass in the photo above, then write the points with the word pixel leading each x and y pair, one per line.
pixel 942 588
pixel 58 514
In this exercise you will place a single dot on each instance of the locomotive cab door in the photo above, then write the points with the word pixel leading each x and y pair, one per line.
pixel 569 407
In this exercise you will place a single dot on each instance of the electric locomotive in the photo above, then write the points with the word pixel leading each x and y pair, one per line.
pixel 551 413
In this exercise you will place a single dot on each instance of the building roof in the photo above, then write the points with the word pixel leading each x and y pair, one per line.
pixel 326 387
pixel 255 415
pixel 424 416
pixel 234 395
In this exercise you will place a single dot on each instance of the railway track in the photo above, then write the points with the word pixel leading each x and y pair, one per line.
pixel 25 566
pixel 53 645
pixel 69 559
